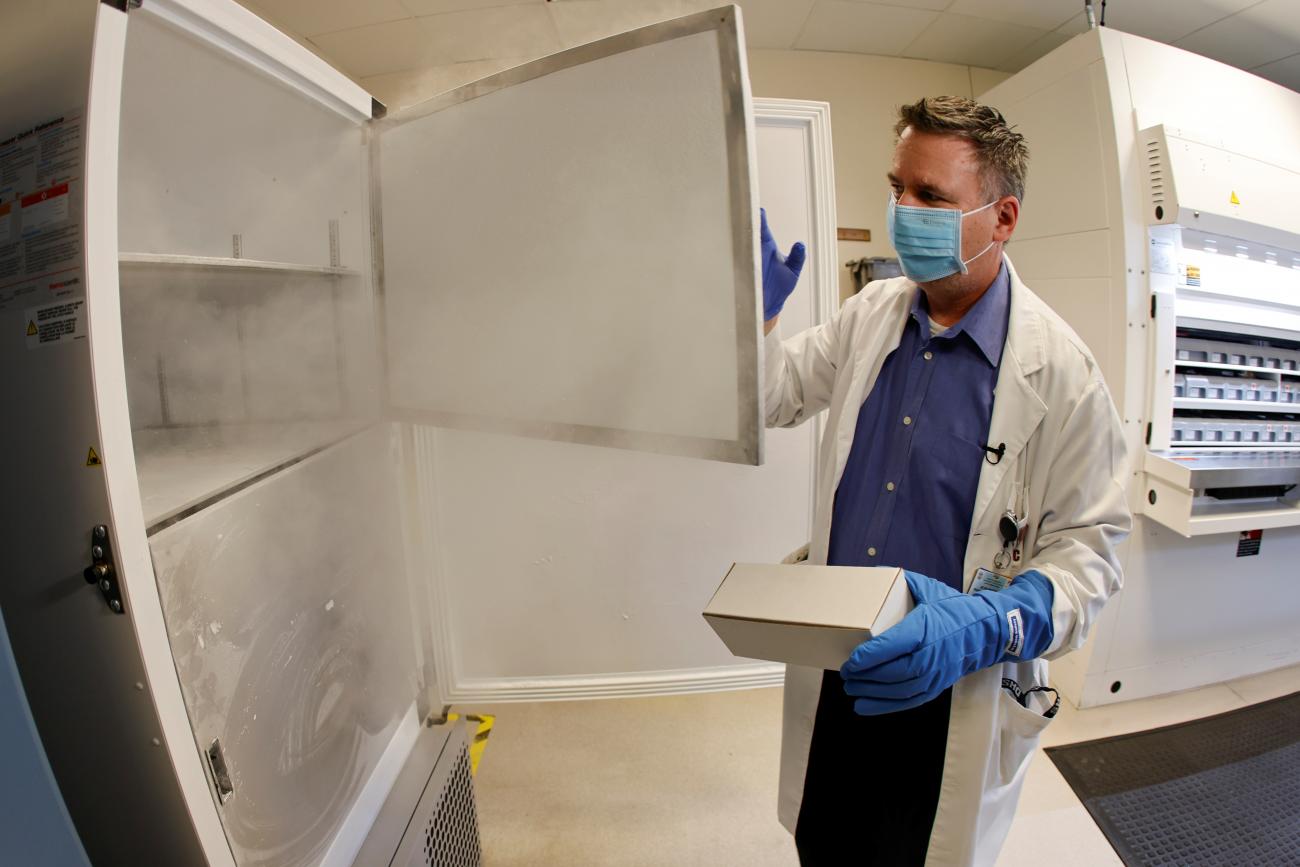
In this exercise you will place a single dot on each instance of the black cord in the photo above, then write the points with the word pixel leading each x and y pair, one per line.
pixel 1103 14
pixel 998 452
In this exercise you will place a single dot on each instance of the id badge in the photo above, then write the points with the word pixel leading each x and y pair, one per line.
pixel 987 580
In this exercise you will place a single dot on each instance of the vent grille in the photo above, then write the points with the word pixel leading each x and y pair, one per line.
pixel 1155 172
pixel 448 835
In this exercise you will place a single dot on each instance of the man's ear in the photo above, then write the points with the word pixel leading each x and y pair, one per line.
pixel 1008 211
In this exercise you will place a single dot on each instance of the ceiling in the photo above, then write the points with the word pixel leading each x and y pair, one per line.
pixel 467 39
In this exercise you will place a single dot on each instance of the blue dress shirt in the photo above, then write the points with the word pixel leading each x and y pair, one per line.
pixel 908 489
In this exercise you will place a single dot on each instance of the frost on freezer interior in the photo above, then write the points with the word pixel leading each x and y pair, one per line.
pixel 233 372
pixel 268 481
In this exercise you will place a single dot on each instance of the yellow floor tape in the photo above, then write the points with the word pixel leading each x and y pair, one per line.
pixel 479 742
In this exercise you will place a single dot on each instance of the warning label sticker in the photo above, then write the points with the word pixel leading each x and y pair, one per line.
pixel 41 203
pixel 55 323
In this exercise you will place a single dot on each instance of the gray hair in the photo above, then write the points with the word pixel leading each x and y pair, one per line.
pixel 1002 153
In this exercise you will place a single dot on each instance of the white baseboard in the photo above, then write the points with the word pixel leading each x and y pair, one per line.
pixel 627 685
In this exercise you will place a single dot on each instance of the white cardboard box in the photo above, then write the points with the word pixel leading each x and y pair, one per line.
pixel 805 615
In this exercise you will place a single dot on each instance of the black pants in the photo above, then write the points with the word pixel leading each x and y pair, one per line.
pixel 872 786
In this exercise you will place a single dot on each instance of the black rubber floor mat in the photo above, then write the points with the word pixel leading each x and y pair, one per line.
pixel 1224 790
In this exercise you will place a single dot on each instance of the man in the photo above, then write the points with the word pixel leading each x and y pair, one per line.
pixel 968 431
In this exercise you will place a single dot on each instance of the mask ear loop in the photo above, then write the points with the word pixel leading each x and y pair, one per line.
pixel 965 262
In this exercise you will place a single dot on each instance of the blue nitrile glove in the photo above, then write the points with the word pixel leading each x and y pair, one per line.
pixel 945 637
pixel 780 273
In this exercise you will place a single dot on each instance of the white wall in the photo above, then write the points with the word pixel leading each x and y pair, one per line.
pixel 865 92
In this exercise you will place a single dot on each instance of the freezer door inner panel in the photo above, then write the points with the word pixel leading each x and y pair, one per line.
pixel 568 248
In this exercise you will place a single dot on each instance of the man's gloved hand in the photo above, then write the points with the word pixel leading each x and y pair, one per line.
pixel 945 637
pixel 780 273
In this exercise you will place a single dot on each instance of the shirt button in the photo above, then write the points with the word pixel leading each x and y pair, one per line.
pixel 929 355
pixel 907 419
pixel 889 487
pixel 871 552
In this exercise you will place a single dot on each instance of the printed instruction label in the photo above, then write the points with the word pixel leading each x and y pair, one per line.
pixel 45 209
pixel 41 196
pixel 1248 543
pixel 59 322
pixel 1163 256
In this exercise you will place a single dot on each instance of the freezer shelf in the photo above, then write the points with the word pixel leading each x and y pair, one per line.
pixel 171 262
pixel 185 469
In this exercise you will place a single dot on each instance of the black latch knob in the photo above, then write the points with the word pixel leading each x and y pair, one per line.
pixel 100 572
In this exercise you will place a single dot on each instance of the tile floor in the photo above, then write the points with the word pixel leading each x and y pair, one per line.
pixel 686 780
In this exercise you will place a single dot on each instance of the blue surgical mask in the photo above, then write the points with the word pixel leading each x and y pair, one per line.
pixel 928 240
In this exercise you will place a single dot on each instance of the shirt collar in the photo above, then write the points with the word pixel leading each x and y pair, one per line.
pixel 985 323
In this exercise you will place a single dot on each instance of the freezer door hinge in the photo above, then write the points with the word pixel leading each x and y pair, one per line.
pixel 123 5
pixel 102 571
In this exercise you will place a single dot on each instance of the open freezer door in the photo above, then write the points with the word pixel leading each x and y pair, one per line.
pixel 566 250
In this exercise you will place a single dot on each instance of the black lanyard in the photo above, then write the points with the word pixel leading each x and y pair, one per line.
pixel 1022 695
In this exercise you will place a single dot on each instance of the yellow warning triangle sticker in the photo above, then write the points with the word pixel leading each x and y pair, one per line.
pixel 92 458
pixel 1234 200
pixel 32 330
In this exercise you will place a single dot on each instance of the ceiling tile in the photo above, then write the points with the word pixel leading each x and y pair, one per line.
pixel 1170 20
pixel 774 23
pixel 1043 14
pixel 972 41
pixel 864 27
pixel 1285 72
pixel 437 7
pixel 1036 49
pixel 929 5
pixel 1261 34
pixel 374 50
pixel 485 34
pixel 582 21
pixel 312 17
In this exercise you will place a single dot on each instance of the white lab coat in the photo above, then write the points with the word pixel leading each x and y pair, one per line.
pixel 1064 468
